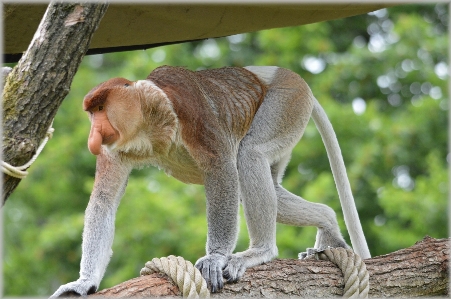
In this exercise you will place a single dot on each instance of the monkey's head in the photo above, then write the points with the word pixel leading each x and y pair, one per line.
pixel 114 111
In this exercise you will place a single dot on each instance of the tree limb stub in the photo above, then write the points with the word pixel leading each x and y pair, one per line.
pixel 420 270
pixel 36 87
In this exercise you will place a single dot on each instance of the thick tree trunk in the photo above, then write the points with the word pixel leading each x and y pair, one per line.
pixel 41 80
pixel 420 270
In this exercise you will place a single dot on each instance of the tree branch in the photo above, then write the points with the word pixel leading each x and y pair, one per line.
pixel 420 270
pixel 36 87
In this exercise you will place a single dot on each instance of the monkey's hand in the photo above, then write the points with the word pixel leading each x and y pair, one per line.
pixel 80 287
pixel 211 268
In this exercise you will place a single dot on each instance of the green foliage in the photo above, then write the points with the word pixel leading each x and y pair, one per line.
pixel 380 77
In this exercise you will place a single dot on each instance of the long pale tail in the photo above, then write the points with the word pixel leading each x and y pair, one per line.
pixel 341 181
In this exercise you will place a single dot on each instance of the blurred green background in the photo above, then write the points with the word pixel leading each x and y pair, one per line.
pixel 382 79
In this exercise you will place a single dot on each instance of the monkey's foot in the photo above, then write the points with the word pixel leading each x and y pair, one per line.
pixel 80 287
pixel 240 261
pixel 310 252
pixel 235 269
pixel 211 268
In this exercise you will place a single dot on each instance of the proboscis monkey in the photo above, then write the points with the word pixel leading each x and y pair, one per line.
pixel 231 129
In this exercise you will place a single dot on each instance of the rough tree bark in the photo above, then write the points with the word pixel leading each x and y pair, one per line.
pixel 420 270
pixel 36 87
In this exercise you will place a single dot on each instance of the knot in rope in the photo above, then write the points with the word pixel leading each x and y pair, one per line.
pixel 19 171
pixel 354 270
pixel 182 272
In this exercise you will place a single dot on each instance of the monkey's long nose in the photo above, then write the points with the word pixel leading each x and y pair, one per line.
pixel 95 140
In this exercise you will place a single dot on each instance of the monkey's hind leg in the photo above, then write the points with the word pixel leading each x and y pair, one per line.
pixel 277 127
pixel 294 210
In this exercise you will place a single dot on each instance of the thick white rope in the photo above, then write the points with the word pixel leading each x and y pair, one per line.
pixel 354 270
pixel 19 171
pixel 182 272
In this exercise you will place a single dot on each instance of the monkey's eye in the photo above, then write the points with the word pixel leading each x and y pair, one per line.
pixel 100 108
pixel 126 85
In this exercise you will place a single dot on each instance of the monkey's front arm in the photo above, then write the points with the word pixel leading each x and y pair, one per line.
pixel 98 233
pixel 222 191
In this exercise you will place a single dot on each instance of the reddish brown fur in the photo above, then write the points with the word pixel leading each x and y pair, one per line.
pixel 99 94
pixel 215 108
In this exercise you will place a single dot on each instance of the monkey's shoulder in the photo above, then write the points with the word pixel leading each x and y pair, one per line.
pixel 208 100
